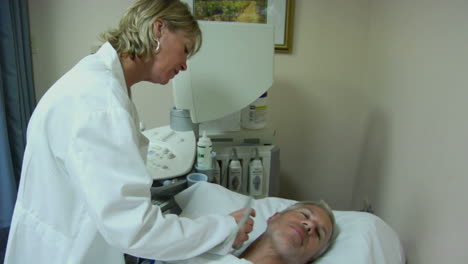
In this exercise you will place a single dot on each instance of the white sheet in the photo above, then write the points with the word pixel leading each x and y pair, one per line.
pixel 363 238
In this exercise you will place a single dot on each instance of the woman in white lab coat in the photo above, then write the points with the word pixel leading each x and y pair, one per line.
pixel 84 194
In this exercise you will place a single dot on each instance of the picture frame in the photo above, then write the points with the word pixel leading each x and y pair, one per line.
pixel 279 13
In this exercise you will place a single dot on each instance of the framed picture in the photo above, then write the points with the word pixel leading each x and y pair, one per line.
pixel 279 13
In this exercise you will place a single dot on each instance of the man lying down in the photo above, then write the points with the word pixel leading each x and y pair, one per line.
pixel 298 234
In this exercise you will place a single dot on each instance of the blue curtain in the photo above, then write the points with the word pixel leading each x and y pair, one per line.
pixel 17 101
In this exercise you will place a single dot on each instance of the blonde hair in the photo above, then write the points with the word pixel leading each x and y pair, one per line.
pixel 134 36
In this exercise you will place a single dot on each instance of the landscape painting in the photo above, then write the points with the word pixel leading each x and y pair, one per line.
pixel 246 11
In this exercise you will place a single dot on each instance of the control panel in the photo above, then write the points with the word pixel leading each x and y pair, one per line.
pixel 170 153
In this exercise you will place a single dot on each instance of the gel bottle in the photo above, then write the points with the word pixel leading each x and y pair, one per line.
pixel 235 173
pixel 256 176
pixel 204 157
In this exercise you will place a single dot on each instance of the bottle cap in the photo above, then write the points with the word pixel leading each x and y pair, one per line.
pixel 234 154
pixel 204 139
pixel 257 156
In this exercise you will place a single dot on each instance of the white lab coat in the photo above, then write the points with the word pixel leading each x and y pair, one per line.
pixel 84 195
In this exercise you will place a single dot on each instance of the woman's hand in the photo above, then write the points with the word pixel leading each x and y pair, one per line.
pixel 243 234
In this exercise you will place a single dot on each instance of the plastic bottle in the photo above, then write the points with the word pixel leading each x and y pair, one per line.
pixel 204 147
pixel 235 173
pixel 256 176
pixel 254 116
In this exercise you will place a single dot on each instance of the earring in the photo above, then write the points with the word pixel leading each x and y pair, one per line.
pixel 158 44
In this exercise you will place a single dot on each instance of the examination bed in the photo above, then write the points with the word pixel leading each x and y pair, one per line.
pixel 362 238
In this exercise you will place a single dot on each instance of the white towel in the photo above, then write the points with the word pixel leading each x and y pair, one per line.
pixel 213 259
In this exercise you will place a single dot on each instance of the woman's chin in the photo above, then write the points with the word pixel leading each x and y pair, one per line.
pixel 163 81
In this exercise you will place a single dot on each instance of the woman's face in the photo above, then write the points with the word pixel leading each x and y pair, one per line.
pixel 172 55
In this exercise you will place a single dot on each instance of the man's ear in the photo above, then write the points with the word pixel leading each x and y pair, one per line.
pixel 158 27
pixel 273 217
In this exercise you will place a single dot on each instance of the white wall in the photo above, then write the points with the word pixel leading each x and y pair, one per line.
pixel 319 100
pixel 414 162
pixel 370 105
pixel 64 31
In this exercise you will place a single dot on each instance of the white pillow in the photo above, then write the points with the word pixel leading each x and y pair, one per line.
pixel 362 238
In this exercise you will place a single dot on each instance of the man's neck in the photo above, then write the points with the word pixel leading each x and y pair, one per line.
pixel 262 252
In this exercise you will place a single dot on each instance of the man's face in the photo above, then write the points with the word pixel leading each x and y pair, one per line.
pixel 299 234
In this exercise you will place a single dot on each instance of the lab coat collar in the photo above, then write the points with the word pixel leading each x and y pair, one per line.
pixel 110 57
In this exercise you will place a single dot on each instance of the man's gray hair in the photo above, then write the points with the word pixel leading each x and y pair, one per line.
pixel 324 206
